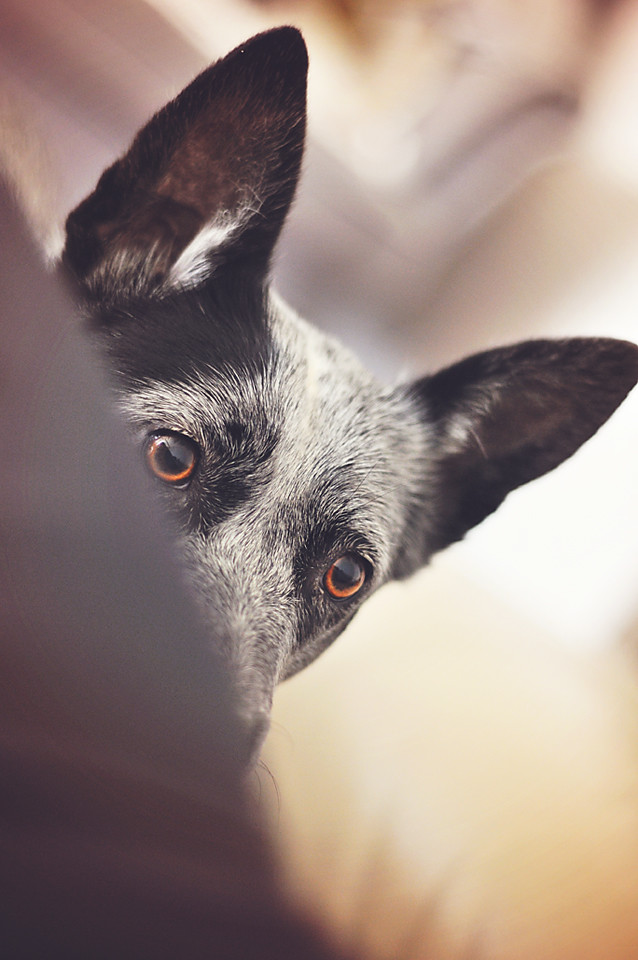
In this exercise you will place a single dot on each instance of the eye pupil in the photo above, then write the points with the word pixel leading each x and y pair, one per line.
pixel 169 458
pixel 344 577
pixel 172 457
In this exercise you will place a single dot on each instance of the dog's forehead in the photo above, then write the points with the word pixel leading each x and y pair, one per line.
pixel 345 430
pixel 185 371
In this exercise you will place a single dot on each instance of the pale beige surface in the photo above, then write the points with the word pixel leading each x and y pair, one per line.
pixel 448 782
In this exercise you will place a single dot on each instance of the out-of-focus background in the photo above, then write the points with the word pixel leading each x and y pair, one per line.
pixel 460 772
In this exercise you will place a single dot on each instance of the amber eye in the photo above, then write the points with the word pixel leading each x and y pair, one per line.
pixel 172 457
pixel 345 577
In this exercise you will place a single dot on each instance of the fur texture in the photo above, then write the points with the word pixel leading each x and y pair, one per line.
pixel 302 461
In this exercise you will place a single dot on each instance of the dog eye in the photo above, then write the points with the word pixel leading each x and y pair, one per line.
pixel 172 457
pixel 345 577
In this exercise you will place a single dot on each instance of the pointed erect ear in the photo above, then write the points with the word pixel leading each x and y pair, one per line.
pixel 502 418
pixel 207 182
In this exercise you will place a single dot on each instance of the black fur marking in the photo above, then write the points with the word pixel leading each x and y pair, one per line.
pixel 233 473
pixel 223 324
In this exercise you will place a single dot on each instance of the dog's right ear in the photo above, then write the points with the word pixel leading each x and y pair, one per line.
pixel 207 182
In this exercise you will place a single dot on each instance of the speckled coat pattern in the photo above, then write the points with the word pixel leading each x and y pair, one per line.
pixel 302 457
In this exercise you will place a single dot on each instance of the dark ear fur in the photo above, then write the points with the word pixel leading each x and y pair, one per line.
pixel 502 418
pixel 226 152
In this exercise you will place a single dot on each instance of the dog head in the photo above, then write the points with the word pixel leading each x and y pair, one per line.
pixel 300 483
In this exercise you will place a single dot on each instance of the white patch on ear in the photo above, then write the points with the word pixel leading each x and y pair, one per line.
pixel 53 244
pixel 463 430
pixel 196 263
pixel 458 431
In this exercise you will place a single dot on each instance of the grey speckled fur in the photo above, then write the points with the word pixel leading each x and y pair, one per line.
pixel 303 458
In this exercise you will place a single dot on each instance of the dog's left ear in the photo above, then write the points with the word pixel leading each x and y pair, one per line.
pixel 499 419
pixel 206 183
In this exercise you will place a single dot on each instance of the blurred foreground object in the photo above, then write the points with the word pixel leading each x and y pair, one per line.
pixel 124 828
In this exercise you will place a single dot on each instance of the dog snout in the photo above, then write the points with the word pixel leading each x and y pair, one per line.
pixel 257 735
pixel 255 729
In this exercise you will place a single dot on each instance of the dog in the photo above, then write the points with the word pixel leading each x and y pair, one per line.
pixel 300 483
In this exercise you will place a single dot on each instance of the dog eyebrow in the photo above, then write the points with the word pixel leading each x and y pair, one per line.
pixel 325 539
pixel 253 444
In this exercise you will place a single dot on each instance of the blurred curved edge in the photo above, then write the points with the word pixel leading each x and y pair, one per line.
pixel 124 827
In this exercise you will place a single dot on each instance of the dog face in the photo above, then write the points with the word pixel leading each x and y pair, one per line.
pixel 300 483
pixel 280 458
